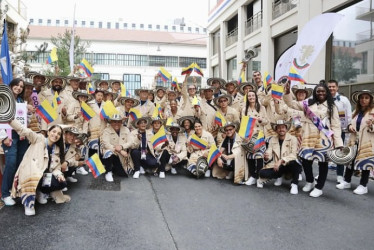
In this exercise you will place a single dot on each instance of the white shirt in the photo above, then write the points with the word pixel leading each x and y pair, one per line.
pixel 344 109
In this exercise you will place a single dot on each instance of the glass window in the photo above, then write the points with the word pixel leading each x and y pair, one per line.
pixel 142 26
pixel 158 27
pixel 189 29
pixel 49 22
pixel 186 61
pixel 174 28
pixel 133 25
pixel 215 36
pixel 57 22
pixel 149 26
pixel 40 21
pixel 31 21
pixel 117 26
pixel 66 22
pixel 92 24
pixel 108 25
pixel 100 76
pixel 100 25
pixel 216 71
pixel 83 23
pixel 231 69
pixel 166 27
pixel 132 82
pixel 197 30
pixel 352 44
pixel 125 25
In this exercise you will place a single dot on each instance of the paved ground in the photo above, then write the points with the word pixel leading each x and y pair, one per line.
pixel 183 213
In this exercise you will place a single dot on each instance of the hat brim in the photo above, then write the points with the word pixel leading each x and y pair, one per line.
pixel 183 118
pixel 75 95
pixel 308 91
pixel 274 125
pixel 51 79
pixel 115 95
pixel 356 95
pixel 221 81
pixel 135 122
pixel 32 74
pixel 137 91
pixel 234 124
pixel 244 84
pixel 168 128
pixel 234 82
pixel 123 99
pixel 216 100
pixel 98 82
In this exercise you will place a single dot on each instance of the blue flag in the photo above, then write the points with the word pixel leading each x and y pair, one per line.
pixel 6 66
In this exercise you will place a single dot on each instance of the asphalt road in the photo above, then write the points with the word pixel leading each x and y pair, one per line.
pixel 184 213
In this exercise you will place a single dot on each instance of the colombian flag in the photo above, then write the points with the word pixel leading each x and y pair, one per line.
pixel 188 69
pixel 260 140
pixel 174 83
pixel 219 119
pixel 164 74
pixel 90 88
pixel 135 114
pixel 195 101
pixel 277 91
pixel 241 78
pixel 198 70
pixel 157 111
pixel 267 79
pixel 247 125
pixel 87 112
pixel 169 121
pixel 108 110
pixel 294 75
pixel 52 56
pixel 198 142
pixel 159 137
pixel 213 155
pixel 47 112
pixel 95 165
pixel 86 66
pixel 124 92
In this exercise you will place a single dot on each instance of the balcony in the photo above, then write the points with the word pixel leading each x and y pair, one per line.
pixel 253 23
pixel 364 36
pixel 282 7
pixel 364 13
pixel 232 37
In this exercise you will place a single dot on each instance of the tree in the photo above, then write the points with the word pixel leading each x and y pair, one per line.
pixel 343 60
pixel 62 43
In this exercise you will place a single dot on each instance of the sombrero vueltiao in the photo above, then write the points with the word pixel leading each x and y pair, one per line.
pixel 146 119
pixel 280 122
pixel 211 80
pixel 109 92
pixel 356 95
pixel 82 92
pixel 235 82
pixel 228 97
pixel 137 91
pixel 52 78
pixel 122 100
pixel 32 74
pixel 174 125
pixel 297 88
pixel 183 118
pixel 244 84
pixel 229 124
pixel 98 83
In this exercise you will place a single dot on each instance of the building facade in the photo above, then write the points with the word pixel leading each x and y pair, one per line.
pixel 133 55
pixel 272 27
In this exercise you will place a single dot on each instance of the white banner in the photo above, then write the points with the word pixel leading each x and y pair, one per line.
pixel 21 117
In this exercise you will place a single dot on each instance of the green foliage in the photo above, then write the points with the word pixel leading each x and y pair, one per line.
pixel 343 65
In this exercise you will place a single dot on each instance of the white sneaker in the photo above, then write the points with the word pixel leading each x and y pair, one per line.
pixel 89 170
pixel 278 182
pixel 64 189
pixel 162 175
pixel 343 185
pixel 339 179
pixel 251 181
pixel 136 175
pixel 142 170
pixel 109 177
pixel 316 177
pixel 173 171
pixel 81 171
pixel 300 177
pixel 8 201
pixel 41 197
pixel 308 186
pixel 361 190
pixel 71 179
pixel 316 193
pixel 294 189
pixel 260 184
pixel 29 211
pixel 230 175
pixel 207 173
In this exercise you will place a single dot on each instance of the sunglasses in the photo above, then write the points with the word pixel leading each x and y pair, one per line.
pixel 224 100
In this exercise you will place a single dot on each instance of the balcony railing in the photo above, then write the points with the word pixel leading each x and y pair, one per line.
pixel 364 36
pixel 232 37
pixel 253 23
pixel 280 7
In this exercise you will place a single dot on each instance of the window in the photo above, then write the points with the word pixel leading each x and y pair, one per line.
pixel 181 28
pixel 149 26
pixel 231 69
pixel 31 21
pixel 49 22
pixel 117 26
pixel 41 58
pixel 132 82
pixel 142 26
pixel 163 61
pixel 157 27
pixel 83 23
pixel 75 22
pixel 133 25
pixel 40 21
pixel 92 24
pixel 66 22
pixel 197 30
pixel 100 76
pixel 364 66
pixel 166 27
pixel 105 59
pixel 186 61
pixel 189 29
pixel 108 25
pixel 125 25
pixel 100 25
pixel 216 36
pixel 174 28
pixel 216 71
pixel 132 60
pixel 57 22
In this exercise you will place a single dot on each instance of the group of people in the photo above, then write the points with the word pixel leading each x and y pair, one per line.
pixel 299 128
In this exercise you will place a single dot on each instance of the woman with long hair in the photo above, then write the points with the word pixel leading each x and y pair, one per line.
pixel 14 147
pixel 362 133
pixel 39 172
pixel 321 132
pixel 253 109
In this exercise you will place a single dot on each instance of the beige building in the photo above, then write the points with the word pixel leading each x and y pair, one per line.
pixel 272 27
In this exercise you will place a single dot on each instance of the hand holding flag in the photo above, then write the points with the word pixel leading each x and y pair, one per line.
pixel 52 56
pixel 277 91
pixel 247 126
pixel 94 163
pixel 159 137
pixel 47 112
pixel 86 66
pixel 213 155
pixel 164 74
pixel 87 111
pixel 108 110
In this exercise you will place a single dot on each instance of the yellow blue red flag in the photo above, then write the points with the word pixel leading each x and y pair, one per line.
pixel 94 163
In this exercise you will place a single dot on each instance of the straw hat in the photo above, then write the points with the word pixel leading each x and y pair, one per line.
pixel 81 92
pixel 98 83
pixel 136 122
pixel 229 124
pixel 72 130
pixel 235 82
pixel 244 84
pixel 183 118
pixel 356 95
pixel 280 122
pixel 122 100
pixel 32 74
pixel 52 78
pixel 298 88
pixel 228 97
pixel 174 125
pixel 109 91
pixel 220 80
pixel 137 91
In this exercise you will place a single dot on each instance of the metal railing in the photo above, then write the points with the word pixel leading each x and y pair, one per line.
pixel 281 7
pixel 232 37
pixel 364 36
pixel 253 23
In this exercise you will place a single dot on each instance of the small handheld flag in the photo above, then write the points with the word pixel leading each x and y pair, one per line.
pixel 277 91
pixel 159 137
pixel 175 84
pixel 169 121
pixel 52 56
pixel 47 112
pixel 108 110
pixel 124 92
pixel 195 101
pixel 295 76
pixel 198 142
pixel 86 66
pixel 94 163
pixel 213 155
pixel 198 70
pixel 260 140
pixel 247 126
pixel 188 69
pixel 267 79
pixel 87 111
pixel 135 114
pixel 164 74
pixel 90 88
pixel 157 111
pixel 241 78
pixel 219 119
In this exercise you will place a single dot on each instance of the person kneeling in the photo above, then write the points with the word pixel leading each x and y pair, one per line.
pixel 280 156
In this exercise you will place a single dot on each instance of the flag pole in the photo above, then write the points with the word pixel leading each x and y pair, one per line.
pixel 71 49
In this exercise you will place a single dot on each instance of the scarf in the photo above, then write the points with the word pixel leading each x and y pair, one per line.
pixel 316 121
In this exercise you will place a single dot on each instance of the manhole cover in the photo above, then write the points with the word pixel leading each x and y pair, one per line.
pixel 101 184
